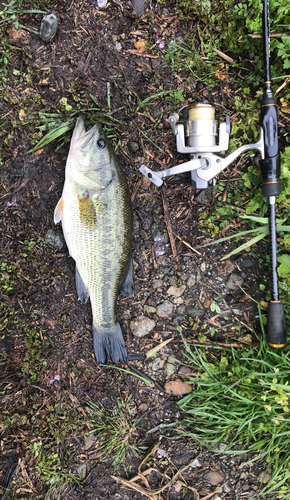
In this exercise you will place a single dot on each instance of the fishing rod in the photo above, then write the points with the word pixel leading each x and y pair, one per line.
pixel 200 136
pixel 270 168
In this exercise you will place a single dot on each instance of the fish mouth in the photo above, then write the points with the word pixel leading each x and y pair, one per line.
pixel 82 137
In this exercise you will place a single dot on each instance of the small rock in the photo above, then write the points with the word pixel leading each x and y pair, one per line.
pixel 234 281
pixel 222 446
pixel 141 326
pixel 244 475
pixel 191 280
pixel 177 388
pixel 227 489
pixel 133 146
pixel 178 300
pixel 226 268
pixel 207 303
pixel 173 280
pixel 48 27
pixel 146 183
pixel 139 6
pixel 246 338
pixel 203 266
pixel 185 370
pixel 166 124
pixel 165 310
pixel 54 240
pixel 265 476
pixel 181 309
pixel 169 369
pixel 247 263
pixel 157 283
pixel 90 439
pixel 213 477
pixel 204 196
pixel 82 471
pixel 176 291
pixel 143 407
pixel 150 310
pixel 157 364
pixel 194 312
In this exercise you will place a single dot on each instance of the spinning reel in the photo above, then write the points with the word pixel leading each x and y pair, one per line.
pixel 197 137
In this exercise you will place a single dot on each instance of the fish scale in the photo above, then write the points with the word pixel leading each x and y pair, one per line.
pixel 96 214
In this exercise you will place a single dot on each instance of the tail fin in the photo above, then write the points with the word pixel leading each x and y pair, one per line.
pixel 109 344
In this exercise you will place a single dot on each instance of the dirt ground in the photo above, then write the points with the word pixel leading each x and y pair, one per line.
pixel 48 370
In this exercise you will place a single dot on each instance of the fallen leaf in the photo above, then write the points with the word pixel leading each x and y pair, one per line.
pixel 154 351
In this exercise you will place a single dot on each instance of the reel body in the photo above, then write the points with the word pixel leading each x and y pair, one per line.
pixel 200 137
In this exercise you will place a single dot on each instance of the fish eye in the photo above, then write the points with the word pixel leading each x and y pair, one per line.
pixel 101 143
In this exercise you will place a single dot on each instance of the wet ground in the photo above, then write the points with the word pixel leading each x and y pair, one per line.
pixel 48 370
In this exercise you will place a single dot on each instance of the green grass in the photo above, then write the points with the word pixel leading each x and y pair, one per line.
pixel 116 430
pixel 242 398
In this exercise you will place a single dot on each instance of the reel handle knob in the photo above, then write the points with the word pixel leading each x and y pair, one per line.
pixel 276 325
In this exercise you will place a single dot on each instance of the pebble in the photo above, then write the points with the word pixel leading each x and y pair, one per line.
pixel 177 388
pixel 234 281
pixel 82 471
pixel 227 489
pixel 150 309
pixel 176 291
pixel 143 407
pixel 185 370
pixel 226 268
pixel 194 312
pixel 207 303
pixel 157 364
pixel 133 146
pixel 157 283
pixel 169 369
pixel 54 240
pixel 181 309
pixel 222 446
pixel 246 338
pixel 178 300
pixel 48 27
pixel 141 326
pixel 165 309
pixel 90 439
pixel 247 263
pixel 265 475
pixel 191 280
pixel 213 477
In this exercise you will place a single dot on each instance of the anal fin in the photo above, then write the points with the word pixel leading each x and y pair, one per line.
pixel 82 290
pixel 126 285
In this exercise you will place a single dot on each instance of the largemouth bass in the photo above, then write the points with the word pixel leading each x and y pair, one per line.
pixel 96 215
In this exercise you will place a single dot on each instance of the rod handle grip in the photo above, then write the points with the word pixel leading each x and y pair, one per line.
pixel 276 325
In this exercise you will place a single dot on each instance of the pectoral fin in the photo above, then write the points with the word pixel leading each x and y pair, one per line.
pixel 58 211
pixel 82 290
